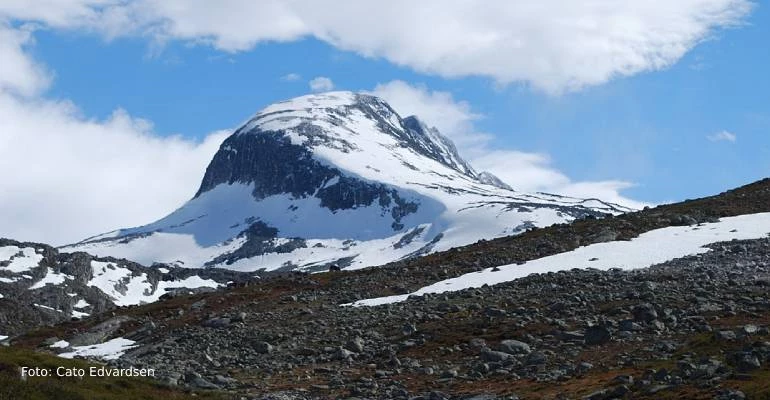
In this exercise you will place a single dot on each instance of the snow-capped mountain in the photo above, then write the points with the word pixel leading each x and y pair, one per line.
pixel 337 177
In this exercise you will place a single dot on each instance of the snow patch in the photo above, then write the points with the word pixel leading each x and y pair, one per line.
pixel 650 248
pixel 62 344
pixel 124 288
pixel 81 304
pixel 6 252
pixel 110 350
pixel 21 259
pixel 52 278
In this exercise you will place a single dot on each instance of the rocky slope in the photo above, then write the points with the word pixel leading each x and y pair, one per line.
pixel 41 286
pixel 336 178
pixel 693 324
pixel 693 327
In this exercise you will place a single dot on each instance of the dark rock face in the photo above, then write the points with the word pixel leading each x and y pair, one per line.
pixel 417 138
pixel 260 239
pixel 268 160
pixel 275 166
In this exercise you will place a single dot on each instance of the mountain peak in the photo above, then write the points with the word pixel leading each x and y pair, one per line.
pixel 337 177
pixel 345 130
pixel 315 106
pixel 324 100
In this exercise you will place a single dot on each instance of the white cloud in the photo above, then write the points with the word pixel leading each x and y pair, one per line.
pixel 66 177
pixel 321 84
pixel 452 118
pixel 551 45
pixel 56 13
pixel 723 136
pixel 291 77
pixel 18 73
pixel 529 172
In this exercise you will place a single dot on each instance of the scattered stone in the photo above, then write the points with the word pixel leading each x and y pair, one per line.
pixel 491 355
pixel 217 322
pixel 514 347
pixel 263 348
pixel 355 345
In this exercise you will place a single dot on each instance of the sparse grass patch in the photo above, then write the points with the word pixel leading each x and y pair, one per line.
pixel 73 388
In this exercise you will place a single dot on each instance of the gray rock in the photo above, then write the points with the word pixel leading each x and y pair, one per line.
pixel 571 336
pixel 514 347
pixel 263 348
pixel 629 325
pixel 725 335
pixel 99 333
pixel 623 379
pixel 537 358
pixel 217 322
pixel 224 380
pixel 240 317
pixel 730 394
pixel 597 335
pixel 747 362
pixel 491 355
pixel 355 345
pixel 196 380
pixel 750 329
pixel 342 354
pixel 198 305
pixel 645 313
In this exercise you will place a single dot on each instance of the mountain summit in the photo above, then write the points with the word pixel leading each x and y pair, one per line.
pixel 337 177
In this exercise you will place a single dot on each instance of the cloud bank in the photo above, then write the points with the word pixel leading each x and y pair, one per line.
pixel 551 45
pixel 67 177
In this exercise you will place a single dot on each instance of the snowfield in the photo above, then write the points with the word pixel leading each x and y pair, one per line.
pixel 650 248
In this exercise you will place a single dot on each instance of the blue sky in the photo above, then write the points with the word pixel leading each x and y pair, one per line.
pixel 650 129
pixel 675 115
